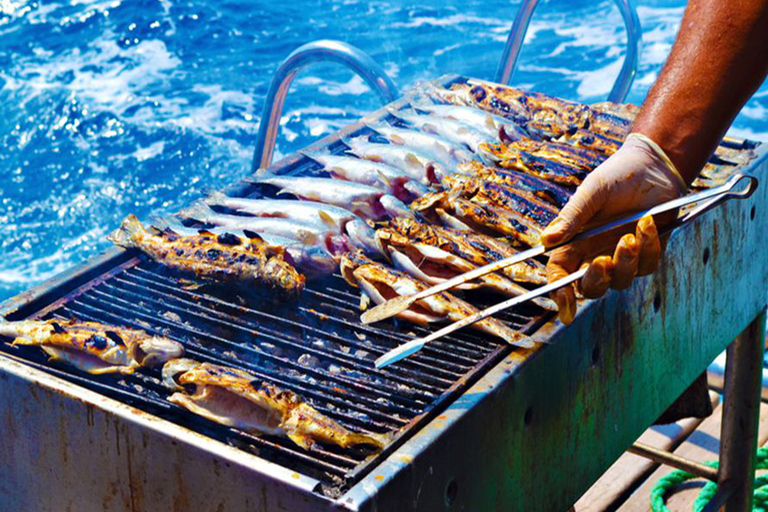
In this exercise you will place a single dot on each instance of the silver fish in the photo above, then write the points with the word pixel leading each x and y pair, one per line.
pixel 310 212
pixel 494 127
pixel 368 202
pixel 448 153
pixel 382 176
pixel 420 166
pixel 450 129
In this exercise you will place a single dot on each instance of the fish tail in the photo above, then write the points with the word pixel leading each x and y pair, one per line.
pixel 125 235
pixel 315 156
pixel 216 197
pixel 7 328
pixel 198 211
pixel 351 141
pixel 377 440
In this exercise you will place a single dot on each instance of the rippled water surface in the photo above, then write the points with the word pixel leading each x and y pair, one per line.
pixel 110 108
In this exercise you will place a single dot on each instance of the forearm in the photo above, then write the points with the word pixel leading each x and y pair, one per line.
pixel 719 59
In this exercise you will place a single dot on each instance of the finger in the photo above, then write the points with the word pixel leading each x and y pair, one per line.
pixel 650 246
pixel 625 260
pixel 598 277
pixel 562 262
pixel 582 206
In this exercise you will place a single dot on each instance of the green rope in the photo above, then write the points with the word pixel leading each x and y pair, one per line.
pixel 677 477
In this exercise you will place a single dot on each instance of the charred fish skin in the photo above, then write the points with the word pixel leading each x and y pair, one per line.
pixel 381 283
pixel 500 220
pixel 235 398
pixel 509 157
pixel 213 257
pixel 554 194
pixel 474 247
pixel 93 347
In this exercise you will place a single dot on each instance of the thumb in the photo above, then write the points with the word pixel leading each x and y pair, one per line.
pixel 582 206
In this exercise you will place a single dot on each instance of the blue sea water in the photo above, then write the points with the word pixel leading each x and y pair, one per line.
pixel 139 106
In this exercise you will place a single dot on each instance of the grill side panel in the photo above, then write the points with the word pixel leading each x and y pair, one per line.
pixel 93 453
pixel 535 434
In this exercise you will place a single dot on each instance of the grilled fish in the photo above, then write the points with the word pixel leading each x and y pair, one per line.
pixel 235 398
pixel 308 212
pixel 495 128
pixel 381 283
pixel 450 129
pixel 214 257
pixel 367 202
pixel 536 161
pixel 374 174
pixel 419 166
pixel 312 260
pixel 433 265
pixel 444 151
pixel 476 248
pixel 550 192
pixel 92 347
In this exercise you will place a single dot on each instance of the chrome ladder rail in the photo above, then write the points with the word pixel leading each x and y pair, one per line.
pixel 623 82
pixel 316 51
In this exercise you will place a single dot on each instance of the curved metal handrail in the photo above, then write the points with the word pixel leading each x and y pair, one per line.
pixel 316 51
pixel 628 69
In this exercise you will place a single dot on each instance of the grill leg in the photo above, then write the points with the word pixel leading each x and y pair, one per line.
pixel 741 406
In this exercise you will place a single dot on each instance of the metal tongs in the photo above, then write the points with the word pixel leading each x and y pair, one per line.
pixel 709 199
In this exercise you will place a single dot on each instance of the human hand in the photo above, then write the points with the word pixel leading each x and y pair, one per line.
pixel 638 176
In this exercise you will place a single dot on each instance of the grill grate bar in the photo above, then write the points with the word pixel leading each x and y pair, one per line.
pixel 337 356
pixel 394 372
pixel 319 372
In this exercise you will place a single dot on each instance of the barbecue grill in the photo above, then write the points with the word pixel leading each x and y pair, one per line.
pixel 477 425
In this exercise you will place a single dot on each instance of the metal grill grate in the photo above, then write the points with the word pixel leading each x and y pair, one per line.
pixel 314 346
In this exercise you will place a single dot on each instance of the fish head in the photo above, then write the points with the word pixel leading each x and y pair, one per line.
pixel 362 236
pixel 394 207
pixel 175 367
pixel 314 261
pixel 284 275
pixel 156 350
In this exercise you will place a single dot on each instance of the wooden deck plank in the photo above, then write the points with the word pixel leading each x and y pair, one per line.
pixel 702 445
pixel 630 470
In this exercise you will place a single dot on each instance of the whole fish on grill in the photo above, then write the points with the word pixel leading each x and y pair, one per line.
pixel 235 398
pixel 93 347
pixel 476 248
pixel 318 232
pixel 552 193
pixel 450 129
pixel 382 176
pixel 419 166
pixel 213 257
pixel 312 260
pixel 432 264
pixel 363 200
pixel 446 152
pixel 537 159
pixel 380 283
pixel 310 212
pixel 494 127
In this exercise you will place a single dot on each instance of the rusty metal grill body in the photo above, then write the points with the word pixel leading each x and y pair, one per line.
pixel 479 427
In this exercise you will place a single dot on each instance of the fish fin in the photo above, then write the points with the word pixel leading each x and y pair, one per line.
pixel 283 191
pixel 125 234
pixel 384 179
pixel 326 218
pixel 205 232
pixel 216 197
pixel 303 441
pixel 189 285
pixel 252 235
pixel 413 161
pixel 489 122
pixel 307 237
pixel 365 301
pixel 198 211
pixel 57 328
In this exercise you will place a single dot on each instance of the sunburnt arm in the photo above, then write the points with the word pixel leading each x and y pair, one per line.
pixel 716 64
